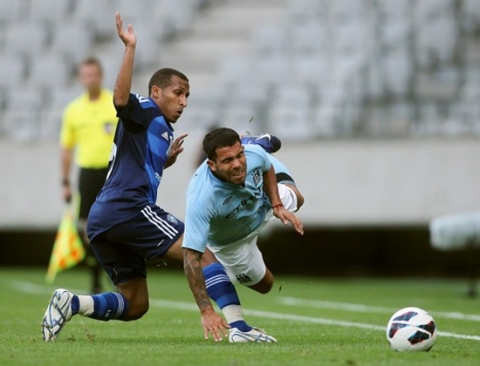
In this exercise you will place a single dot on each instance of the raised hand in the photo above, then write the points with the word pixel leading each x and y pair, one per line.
pixel 127 36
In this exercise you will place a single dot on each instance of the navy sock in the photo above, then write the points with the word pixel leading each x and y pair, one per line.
pixel 241 325
pixel 75 305
pixel 109 305
pixel 221 290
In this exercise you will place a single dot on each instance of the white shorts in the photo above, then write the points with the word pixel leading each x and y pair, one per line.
pixel 242 259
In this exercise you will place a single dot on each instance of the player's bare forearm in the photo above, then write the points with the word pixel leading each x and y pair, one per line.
pixel 212 323
pixel 196 281
pixel 123 84
pixel 271 188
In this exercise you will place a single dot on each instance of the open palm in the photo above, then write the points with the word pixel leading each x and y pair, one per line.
pixel 128 37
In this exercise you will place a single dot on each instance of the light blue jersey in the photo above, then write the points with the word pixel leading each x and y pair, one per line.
pixel 220 212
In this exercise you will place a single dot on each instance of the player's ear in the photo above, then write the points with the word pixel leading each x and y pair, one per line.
pixel 155 92
pixel 212 165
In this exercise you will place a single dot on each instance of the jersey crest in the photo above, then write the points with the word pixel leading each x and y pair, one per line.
pixel 256 177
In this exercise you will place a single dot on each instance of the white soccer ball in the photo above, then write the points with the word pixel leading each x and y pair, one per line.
pixel 411 329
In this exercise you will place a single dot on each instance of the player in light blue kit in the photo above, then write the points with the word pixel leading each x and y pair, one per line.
pixel 125 226
pixel 231 196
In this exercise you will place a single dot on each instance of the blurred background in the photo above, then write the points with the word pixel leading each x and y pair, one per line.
pixel 376 103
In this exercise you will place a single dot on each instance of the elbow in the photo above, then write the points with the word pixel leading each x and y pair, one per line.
pixel 300 200
pixel 120 101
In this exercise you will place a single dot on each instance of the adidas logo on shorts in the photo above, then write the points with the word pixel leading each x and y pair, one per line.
pixel 242 278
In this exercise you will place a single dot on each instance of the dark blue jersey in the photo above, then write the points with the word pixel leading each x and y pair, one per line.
pixel 141 145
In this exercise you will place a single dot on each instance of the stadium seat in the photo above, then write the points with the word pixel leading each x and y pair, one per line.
pixel 72 41
pixel 242 119
pixel 147 52
pixel 289 113
pixel 272 70
pixel 394 11
pixel 21 118
pixel 426 10
pixel 12 71
pixel 310 38
pixel 26 39
pixel 111 58
pixel 97 15
pixel 428 48
pixel 470 15
pixel 398 73
pixel 50 11
pixel 232 69
pixel 174 16
pixel 51 115
pixel 312 69
pixel 345 11
pixel 13 11
pixel 394 34
pixel 324 119
pixel 298 12
pixel 49 71
pixel 269 39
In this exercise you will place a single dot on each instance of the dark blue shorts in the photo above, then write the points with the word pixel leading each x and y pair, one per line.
pixel 124 249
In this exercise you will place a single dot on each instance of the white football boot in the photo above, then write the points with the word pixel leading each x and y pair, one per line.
pixel 58 313
pixel 255 335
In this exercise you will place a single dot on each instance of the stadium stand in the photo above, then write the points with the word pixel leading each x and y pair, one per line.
pixel 327 68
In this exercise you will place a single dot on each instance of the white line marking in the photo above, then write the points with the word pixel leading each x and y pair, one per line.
pixel 31 288
pixel 300 318
pixel 359 308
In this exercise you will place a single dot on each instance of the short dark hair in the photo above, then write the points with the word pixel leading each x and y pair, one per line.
pixel 163 77
pixel 92 61
pixel 218 138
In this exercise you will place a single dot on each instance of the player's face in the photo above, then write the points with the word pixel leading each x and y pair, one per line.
pixel 230 164
pixel 172 99
pixel 90 77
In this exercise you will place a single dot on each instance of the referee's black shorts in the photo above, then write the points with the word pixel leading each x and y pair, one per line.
pixel 89 184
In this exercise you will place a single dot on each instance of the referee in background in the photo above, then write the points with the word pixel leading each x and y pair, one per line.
pixel 88 127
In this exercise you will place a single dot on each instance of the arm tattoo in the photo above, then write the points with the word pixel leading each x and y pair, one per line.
pixel 196 281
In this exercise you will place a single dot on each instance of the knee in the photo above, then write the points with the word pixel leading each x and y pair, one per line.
pixel 265 285
pixel 136 311
pixel 265 288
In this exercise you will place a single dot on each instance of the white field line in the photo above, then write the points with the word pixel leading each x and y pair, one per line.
pixel 32 288
pixel 360 308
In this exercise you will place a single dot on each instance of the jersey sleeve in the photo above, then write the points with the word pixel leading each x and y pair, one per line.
pixel 197 221
pixel 137 114
pixel 67 132
pixel 261 155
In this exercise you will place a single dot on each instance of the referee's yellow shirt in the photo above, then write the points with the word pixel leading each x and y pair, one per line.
pixel 89 126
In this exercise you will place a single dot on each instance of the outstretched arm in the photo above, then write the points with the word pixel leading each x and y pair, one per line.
pixel 121 91
pixel 271 189
pixel 211 321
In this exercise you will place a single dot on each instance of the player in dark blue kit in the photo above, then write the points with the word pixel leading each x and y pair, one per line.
pixel 125 226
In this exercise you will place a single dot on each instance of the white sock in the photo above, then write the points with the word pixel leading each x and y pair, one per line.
pixel 233 313
pixel 85 305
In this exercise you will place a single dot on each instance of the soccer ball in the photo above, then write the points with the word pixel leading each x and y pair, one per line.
pixel 411 329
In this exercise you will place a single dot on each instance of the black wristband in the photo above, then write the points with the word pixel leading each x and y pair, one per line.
pixel 65 182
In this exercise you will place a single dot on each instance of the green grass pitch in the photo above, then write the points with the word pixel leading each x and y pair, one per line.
pixel 317 321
